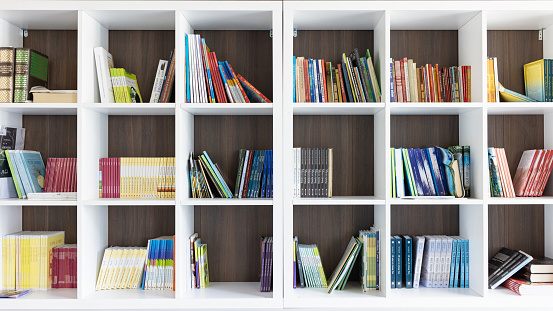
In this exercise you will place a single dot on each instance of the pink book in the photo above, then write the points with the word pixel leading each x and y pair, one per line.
pixel 523 171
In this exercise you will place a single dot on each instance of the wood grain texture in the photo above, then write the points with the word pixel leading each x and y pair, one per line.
pixel 425 46
pixel 61 48
pixel 51 218
pixel 516 227
pixel 352 138
pixel 330 44
pixel 141 136
pixel 424 131
pixel 425 219
pixel 52 136
pixel 139 52
pixel 233 237
pixel 515 133
pixel 135 225
pixel 249 52
pixel 513 49
pixel 331 228
pixel 222 137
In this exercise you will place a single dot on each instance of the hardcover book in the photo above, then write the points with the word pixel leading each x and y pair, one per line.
pixel 31 69
pixel 7 72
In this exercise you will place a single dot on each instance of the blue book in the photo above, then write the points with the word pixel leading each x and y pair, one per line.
pixel 377 233
pixel 428 169
pixel 466 244
pixel 219 176
pixel 294 80
pixel 441 168
pixel 187 57
pixel 33 169
pixel 14 170
pixel 416 172
pixel 224 78
pixel 408 261
pixel 453 263
pixel 393 265
pixel 264 177
pixel 320 85
pixel 259 176
pixel 466 168
pixel 271 171
pixel 462 264
pixel 311 81
pixel 435 170
pixel 399 257
pixel 426 186
pixel 252 173
pixel 346 83
pixel 392 90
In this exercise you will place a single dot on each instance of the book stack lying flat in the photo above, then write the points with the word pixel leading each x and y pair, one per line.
pixel 433 171
pixel 61 175
pixel 430 261
pixel 198 262
pixel 351 80
pixel 533 173
pixel 428 83
pixel 26 259
pixel 160 264
pixel 309 265
pixel 313 172
pixel 536 278
pixel 64 266
pixel 501 184
pixel 370 253
pixel 122 267
pixel 27 170
pixel 504 264
pixel 211 81
pixel 340 275
pixel 266 264
pixel 137 178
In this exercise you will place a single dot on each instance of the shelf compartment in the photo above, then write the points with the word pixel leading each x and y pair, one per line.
pixel 135 19
pixel 504 108
pixel 226 202
pixel 340 200
pixel 229 109
pixel 133 108
pixel 132 294
pixel 132 202
pixel 430 19
pixel 337 108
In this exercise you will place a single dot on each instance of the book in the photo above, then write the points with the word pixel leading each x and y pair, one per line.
pixel 344 265
pixel 7 73
pixel 504 264
pixel 31 69
pixel 523 287
pixel 169 80
pixel 507 95
pixel 540 265
pixel 252 93
pixel 535 277
pixel 532 172
pixel 158 81
pixel 130 88
pixel 104 62
pixel 12 293
pixel 536 80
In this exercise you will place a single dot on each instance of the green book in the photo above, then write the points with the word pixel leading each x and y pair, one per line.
pixel 31 69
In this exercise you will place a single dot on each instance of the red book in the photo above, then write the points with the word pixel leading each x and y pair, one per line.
pixel 252 88
pixel 66 175
pixel 54 267
pixel 544 168
pixel 534 172
pixel 48 172
pixel 523 171
pixel 216 77
pixel 73 184
pixel 168 87
pixel 110 177
pixel 247 177
pixel 58 175
pixel 74 267
pixel 237 82
pixel 546 177
pixel 399 86
pixel 438 84
pixel 402 75
pixel 323 71
pixel 204 65
pixel 118 177
pixel 306 81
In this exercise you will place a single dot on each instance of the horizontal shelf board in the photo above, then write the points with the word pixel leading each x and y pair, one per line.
pixel 435 201
pixel 517 19
pixel 351 200
pixel 518 108
pixel 58 298
pixel 130 202
pixel 351 291
pixel 221 201
pixel 228 290
pixel 503 297
pixel 520 200
pixel 165 109
pixel 58 293
pixel 430 20
pixel 432 108
pixel 132 294
pixel 42 19
pixel 229 20
pixel 229 108
pixel 336 19
pixel 39 109
pixel 25 202
pixel 337 108
pixel 135 19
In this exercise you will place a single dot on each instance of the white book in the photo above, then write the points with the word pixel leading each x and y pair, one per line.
pixel 243 176
pixel 407 81
pixel 447 262
pixel 428 261
pixel 158 82
pixel 419 251
pixel 200 63
pixel 104 61
pixel 438 263
pixel 400 185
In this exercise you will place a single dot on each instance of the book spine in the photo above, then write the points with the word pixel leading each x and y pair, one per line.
pixel 399 85
pixel 168 86
pixel 393 263
pixel 342 87
pixel 7 73
pixel 209 81
pixel 408 260
pixel 237 83
pixel 158 81
pixel 392 82
pixel 399 257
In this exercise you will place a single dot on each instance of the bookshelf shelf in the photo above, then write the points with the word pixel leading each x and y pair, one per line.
pixel 25 202
pixel 131 202
pixel 337 108
pixel 518 108
pixel 520 201
pixel 39 109
pixel 340 200
pixel 435 201
pixel 433 108
pixel 229 109
pixel 133 109
pixel 227 202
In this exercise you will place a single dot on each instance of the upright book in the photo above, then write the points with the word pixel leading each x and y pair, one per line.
pixel 104 62
pixel 31 69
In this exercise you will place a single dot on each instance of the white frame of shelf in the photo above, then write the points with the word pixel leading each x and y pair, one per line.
pixel 470 18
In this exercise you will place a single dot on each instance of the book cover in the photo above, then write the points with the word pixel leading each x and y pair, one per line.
pixel 524 170
pixel 534 80
pixel 158 81
pixel 130 88
pixel 418 251
pixel 525 259
pixel 251 92
pixel 507 95
pixel 7 73
pixel 408 261
pixel 31 69
pixel 399 262
pixel 393 261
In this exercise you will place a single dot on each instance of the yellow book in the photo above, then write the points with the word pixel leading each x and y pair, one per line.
pixel 158 177
pixel 52 240
pixel 5 256
pixel 116 266
pixel 138 269
pixel 122 179
pixel 534 80
pixel 110 268
pixel 133 254
pixel 491 81
pixel 173 170
pixel 319 264
pixel 122 258
pixel 25 260
pixel 103 268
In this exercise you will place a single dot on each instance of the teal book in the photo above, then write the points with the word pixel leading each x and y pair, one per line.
pixel 34 168
pixel 399 257
pixel 408 261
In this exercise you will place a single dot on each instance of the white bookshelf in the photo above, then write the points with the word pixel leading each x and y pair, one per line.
pixel 94 19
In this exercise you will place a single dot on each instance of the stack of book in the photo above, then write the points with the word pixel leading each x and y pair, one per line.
pixel 340 275
pixel 160 265
pixel 352 80
pixel 535 278
pixel 137 178
pixel 26 259
pixel 116 85
pixel 501 184
pixel 64 266
pixel 199 170
pixel 313 172
pixel 122 267
pixel 533 173
pixel 11 138
pixel 27 170
pixel 309 265
pixel 504 264
pixel 428 83
pixel 433 171
pixel 255 170
pixel 198 262
pixel 211 81
pixel 266 282
pixel 61 175
pixel 370 252
pixel 17 77
pixel 430 261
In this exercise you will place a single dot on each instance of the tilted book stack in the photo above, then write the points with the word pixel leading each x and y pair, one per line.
pixel 533 173
pixel 501 184
pixel 504 264
pixel 339 277
pixel 122 267
pixel 429 83
pixel 160 264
